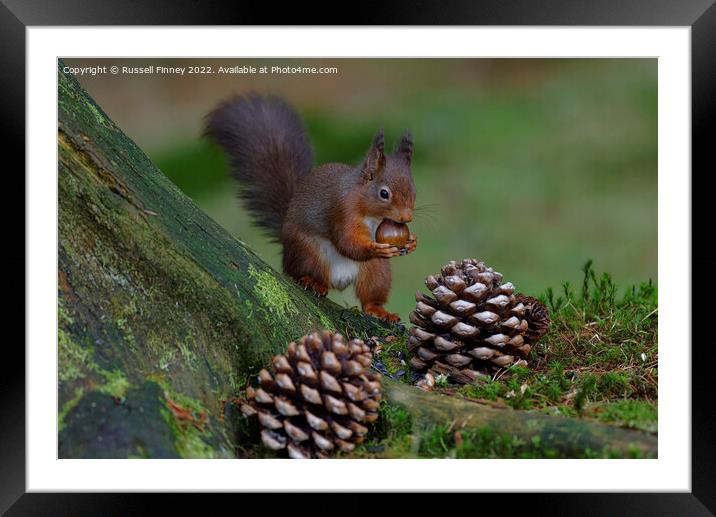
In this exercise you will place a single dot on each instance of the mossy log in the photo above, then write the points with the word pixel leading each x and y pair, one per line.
pixel 163 316
pixel 528 433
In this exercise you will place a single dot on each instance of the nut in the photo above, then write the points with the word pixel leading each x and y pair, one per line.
pixel 390 232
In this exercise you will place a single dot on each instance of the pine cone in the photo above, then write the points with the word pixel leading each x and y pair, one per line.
pixel 317 396
pixel 537 317
pixel 473 324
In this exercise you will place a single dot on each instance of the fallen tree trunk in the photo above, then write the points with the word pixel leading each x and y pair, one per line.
pixel 164 316
pixel 515 433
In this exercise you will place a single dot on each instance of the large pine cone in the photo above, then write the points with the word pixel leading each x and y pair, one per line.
pixel 316 397
pixel 473 323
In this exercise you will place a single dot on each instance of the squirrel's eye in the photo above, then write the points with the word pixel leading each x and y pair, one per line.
pixel 384 193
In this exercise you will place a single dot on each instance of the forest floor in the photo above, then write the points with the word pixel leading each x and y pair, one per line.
pixel 599 361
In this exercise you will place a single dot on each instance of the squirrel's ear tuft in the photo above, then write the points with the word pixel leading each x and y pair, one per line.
pixel 379 141
pixel 405 147
pixel 375 159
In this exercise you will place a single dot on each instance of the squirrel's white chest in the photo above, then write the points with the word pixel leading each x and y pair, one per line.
pixel 342 270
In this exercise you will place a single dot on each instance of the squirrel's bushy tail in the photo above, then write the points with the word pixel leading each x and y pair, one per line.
pixel 269 149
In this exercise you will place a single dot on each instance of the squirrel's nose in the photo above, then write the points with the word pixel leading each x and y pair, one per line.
pixel 406 215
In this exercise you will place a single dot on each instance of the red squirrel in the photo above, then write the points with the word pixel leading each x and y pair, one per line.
pixel 325 217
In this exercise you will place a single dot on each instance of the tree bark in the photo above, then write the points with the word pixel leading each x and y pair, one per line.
pixel 164 317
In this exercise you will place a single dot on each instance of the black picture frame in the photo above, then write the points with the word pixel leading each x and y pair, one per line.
pixel 17 15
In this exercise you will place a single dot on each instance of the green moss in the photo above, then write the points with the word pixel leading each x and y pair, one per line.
pixel 63 316
pixel 185 348
pixel 77 362
pixel 394 348
pixel 163 354
pixel 393 421
pixel 484 442
pixel 635 414
pixel 74 360
pixel 99 117
pixel 190 441
pixel 141 454
pixel 390 361
pixel 441 381
pixel 67 407
pixel 238 383
pixel 127 333
pixel 489 390
pixel 391 434
pixel 272 294
pixel 187 402
pixel 326 322
pixel 116 384
pixel 166 360
pixel 154 343
pixel 167 353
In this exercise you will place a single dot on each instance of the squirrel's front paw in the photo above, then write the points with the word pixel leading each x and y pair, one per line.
pixel 381 250
pixel 411 245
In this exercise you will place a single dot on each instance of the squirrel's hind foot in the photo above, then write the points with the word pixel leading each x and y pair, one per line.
pixel 318 288
pixel 379 312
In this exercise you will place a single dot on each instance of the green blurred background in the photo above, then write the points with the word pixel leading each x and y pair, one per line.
pixel 532 165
